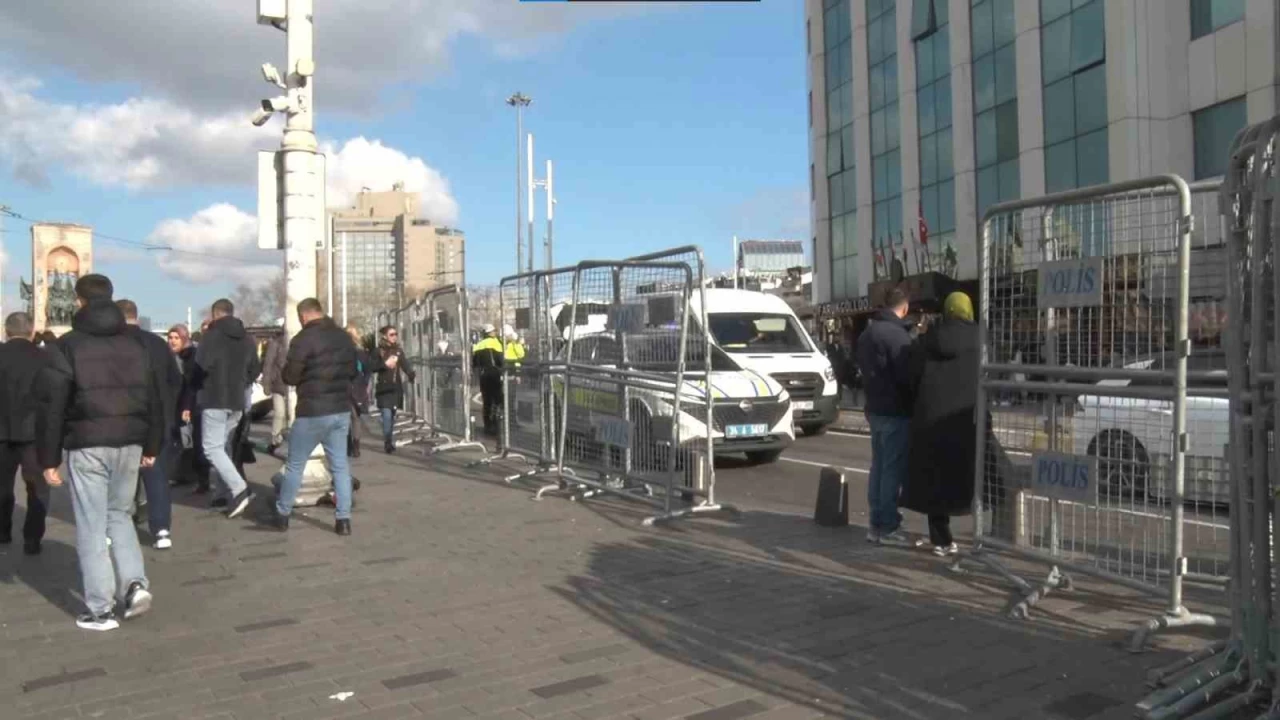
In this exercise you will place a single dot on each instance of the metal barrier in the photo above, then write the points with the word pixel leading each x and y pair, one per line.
pixel 532 306
pixel 624 403
pixel 448 365
pixel 1243 671
pixel 1090 477
pixel 411 423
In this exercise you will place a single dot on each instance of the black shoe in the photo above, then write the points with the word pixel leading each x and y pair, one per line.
pixel 218 503
pixel 278 522
pixel 342 527
pixel 239 503
pixel 31 547
pixel 137 601
pixel 355 484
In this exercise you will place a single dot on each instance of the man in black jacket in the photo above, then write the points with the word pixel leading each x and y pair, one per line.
pixel 155 479
pixel 389 390
pixel 883 354
pixel 21 364
pixel 321 364
pixel 226 365
pixel 104 408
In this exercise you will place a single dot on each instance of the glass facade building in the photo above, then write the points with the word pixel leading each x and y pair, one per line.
pixel 1005 99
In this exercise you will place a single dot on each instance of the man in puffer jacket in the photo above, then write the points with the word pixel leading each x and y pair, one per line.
pixel 321 364
pixel 104 407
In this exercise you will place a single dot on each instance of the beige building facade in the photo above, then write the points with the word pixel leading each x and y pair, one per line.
pixel 390 254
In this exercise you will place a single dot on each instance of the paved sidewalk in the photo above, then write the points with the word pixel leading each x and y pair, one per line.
pixel 460 597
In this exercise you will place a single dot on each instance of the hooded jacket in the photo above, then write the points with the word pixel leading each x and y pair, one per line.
pixel 21 363
pixel 102 391
pixel 226 365
pixel 884 355
pixel 322 365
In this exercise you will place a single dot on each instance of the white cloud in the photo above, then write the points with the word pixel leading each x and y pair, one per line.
pixel 144 144
pixel 361 163
pixel 215 244
pixel 139 143
pixel 205 54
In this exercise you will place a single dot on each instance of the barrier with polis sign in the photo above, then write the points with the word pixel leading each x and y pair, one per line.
pixel 1083 323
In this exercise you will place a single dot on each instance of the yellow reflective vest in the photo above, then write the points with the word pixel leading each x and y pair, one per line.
pixel 514 352
pixel 487 354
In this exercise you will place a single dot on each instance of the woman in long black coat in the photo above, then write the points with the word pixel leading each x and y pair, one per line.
pixel 940 470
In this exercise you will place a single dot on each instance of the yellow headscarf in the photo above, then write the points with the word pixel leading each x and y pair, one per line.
pixel 958 306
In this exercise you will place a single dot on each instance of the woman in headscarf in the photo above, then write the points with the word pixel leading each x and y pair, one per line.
pixel 940 470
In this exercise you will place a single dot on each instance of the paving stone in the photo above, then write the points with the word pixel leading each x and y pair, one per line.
pixel 706 618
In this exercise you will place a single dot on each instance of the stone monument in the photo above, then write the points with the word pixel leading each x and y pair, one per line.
pixel 61 253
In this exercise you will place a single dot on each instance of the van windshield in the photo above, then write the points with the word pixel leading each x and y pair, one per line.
pixel 758 333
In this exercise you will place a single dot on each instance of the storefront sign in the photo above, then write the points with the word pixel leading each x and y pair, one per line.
pixel 851 306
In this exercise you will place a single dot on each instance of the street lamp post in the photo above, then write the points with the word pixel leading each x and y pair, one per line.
pixel 519 101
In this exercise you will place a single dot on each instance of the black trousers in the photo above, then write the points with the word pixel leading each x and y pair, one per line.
pixel 940 530
pixel 491 396
pixel 12 457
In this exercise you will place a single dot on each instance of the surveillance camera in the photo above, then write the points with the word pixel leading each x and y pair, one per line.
pixel 261 116
pixel 280 103
pixel 272 75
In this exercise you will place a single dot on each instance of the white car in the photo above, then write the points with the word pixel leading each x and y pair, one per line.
pixel 1133 437
pixel 751 413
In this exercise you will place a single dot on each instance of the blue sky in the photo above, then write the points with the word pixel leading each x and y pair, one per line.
pixel 680 125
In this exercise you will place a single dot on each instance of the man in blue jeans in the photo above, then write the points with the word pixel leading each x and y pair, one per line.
pixel 226 365
pixel 883 356
pixel 103 406
pixel 321 364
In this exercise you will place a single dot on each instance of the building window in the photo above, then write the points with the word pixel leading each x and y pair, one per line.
pixel 1213 129
pixel 1209 16
pixel 886 156
pixel 937 217
pixel 1073 70
pixel 995 101
pixel 841 187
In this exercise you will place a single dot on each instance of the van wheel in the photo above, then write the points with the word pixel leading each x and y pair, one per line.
pixel 763 457
pixel 813 430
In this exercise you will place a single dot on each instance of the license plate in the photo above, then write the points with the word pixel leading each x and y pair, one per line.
pixel 801 404
pixel 742 431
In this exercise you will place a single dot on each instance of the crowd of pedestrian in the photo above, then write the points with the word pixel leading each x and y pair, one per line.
pixel 127 414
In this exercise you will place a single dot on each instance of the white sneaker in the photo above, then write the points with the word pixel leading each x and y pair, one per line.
pixel 98 623
pixel 137 601
pixel 163 541
pixel 946 550
pixel 873 537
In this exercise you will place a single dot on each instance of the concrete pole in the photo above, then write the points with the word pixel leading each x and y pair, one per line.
pixel 301 208
pixel 529 186
pixel 551 215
